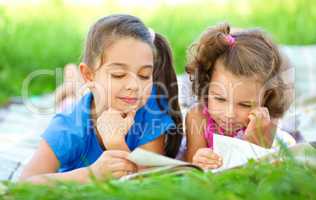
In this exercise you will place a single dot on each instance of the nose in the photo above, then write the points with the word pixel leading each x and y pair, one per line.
pixel 132 84
pixel 230 111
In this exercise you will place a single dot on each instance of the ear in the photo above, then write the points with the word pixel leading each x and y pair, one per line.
pixel 266 96
pixel 86 72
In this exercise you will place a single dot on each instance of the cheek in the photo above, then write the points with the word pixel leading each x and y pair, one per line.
pixel 145 92
pixel 106 90
pixel 215 108
pixel 242 115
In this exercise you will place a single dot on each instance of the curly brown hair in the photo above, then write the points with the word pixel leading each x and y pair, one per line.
pixel 252 54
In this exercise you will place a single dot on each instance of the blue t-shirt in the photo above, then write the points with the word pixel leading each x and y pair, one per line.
pixel 73 139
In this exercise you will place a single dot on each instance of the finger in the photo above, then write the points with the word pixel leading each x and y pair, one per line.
pixel 251 137
pixel 117 153
pixel 208 153
pixel 265 113
pixel 259 118
pixel 209 159
pixel 206 166
pixel 124 166
pixel 131 114
pixel 130 118
pixel 113 111
pixel 212 166
pixel 114 160
pixel 257 113
pixel 205 161
pixel 254 117
pixel 119 174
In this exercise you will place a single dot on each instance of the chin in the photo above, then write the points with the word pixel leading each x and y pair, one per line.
pixel 232 130
pixel 229 129
pixel 128 108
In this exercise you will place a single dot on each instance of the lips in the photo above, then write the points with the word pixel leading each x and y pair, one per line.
pixel 129 100
pixel 229 125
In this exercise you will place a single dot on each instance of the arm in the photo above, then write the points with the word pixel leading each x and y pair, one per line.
pixel 198 153
pixel 195 125
pixel 156 146
pixel 44 164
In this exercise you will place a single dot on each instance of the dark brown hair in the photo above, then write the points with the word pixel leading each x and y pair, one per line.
pixel 107 30
pixel 251 54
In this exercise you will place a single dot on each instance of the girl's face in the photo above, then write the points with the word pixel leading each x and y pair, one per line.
pixel 124 81
pixel 231 98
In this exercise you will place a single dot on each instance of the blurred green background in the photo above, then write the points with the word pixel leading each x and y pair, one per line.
pixel 49 34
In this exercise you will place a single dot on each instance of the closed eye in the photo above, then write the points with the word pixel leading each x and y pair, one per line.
pixel 220 99
pixel 144 77
pixel 118 76
pixel 245 105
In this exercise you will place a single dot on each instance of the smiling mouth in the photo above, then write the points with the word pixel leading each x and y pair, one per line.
pixel 229 125
pixel 129 100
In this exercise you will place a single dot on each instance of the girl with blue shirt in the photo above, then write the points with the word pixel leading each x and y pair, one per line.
pixel 132 102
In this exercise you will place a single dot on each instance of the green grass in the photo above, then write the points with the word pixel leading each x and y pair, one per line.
pixel 255 181
pixel 50 35
pixel 31 42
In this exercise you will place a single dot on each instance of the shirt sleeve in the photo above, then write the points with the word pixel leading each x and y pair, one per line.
pixel 63 140
pixel 156 127
pixel 155 120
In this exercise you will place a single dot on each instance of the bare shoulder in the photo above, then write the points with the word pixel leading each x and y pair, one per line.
pixel 195 113
pixel 195 121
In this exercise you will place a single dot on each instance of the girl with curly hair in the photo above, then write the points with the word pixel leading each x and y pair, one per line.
pixel 241 93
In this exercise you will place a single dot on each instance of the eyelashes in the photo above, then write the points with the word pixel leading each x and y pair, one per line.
pixel 121 76
pixel 144 77
pixel 245 106
pixel 116 76
pixel 221 99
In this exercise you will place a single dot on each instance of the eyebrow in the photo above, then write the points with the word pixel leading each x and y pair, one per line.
pixel 125 66
pixel 215 93
pixel 241 102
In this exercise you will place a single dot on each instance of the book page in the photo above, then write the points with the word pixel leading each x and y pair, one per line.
pixel 236 152
pixel 149 159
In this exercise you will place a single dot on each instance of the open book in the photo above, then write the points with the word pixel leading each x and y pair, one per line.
pixel 235 153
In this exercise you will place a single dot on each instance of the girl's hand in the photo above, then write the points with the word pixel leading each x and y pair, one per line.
pixel 113 125
pixel 261 129
pixel 112 163
pixel 207 159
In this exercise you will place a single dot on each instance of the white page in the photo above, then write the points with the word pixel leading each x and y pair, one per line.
pixel 236 152
pixel 149 159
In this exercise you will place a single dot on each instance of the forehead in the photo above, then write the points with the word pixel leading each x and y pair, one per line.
pixel 131 52
pixel 242 87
